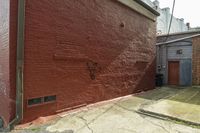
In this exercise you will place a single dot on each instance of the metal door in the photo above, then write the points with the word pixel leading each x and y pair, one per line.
pixel 173 72
pixel 186 72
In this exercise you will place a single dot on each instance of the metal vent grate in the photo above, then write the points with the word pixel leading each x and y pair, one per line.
pixel 34 101
pixel 41 100
pixel 50 98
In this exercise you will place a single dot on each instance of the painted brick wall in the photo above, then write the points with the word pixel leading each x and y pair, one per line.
pixel 4 61
pixel 196 61
pixel 8 11
pixel 81 51
pixel 12 54
pixel 64 37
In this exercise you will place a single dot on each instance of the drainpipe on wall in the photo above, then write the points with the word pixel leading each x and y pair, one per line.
pixel 19 65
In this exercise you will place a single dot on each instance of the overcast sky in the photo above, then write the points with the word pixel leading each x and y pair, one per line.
pixel 187 9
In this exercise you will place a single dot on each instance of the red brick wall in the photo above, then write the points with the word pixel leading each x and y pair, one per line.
pixel 64 36
pixel 8 16
pixel 4 61
pixel 12 54
pixel 196 61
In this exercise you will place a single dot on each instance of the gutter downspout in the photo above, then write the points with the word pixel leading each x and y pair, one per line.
pixel 19 65
pixel 20 60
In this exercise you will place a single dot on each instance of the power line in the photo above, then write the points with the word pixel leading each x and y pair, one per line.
pixel 170 24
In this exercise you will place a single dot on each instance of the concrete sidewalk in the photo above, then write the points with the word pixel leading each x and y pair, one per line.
pixel 116 116
pixel 182 107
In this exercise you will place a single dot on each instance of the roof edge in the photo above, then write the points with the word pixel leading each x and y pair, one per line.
pixel 148 7
pixel 177 40
pixel 141 8
pixel 179 33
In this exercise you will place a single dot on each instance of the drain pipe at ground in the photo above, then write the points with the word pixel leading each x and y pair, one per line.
pixel 19 65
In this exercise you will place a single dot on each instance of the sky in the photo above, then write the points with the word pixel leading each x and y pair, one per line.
pixel 187 9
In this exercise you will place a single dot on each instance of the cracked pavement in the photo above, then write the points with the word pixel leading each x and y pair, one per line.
pixel 116 116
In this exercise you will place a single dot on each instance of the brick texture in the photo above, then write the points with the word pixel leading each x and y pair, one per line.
pixel 68 43
pixel 4 61
pixel 83 52
pixel 8 25
pixel 196 61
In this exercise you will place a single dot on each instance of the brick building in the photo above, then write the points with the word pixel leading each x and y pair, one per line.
pixel 178 58
pixel 57 55
pixel 196 60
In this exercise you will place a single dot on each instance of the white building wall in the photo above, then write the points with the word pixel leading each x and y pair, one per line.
pixel 163 20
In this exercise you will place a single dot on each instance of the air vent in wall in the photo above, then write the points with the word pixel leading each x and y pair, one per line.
pixel 50 98
pixel 41 100
pixel 34 101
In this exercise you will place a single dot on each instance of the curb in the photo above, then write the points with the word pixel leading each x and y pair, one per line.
pixel 166 117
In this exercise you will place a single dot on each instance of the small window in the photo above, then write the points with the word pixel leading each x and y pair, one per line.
pixel 180 51
pixel 34 101
pixel 50 98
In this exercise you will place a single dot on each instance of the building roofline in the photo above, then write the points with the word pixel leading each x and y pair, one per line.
pixel 148 7
pixel 141 7
pixel 177 40
pixel 179 33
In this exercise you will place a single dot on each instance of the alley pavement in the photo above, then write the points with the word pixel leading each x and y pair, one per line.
pixel 120 115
